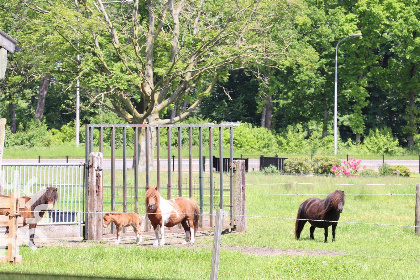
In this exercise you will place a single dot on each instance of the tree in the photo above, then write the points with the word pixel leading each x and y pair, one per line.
pixel 140 58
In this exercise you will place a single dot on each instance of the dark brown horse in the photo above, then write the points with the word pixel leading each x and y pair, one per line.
pixel 180 210
pixel 35 207
pixel 320 213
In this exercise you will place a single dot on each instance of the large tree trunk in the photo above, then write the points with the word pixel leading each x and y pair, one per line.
pixel 267 112
pixel 42 94
pixel 151 141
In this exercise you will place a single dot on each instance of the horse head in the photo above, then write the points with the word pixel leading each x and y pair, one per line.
pixel 107 220
pixel 338 200
pixel 152 198
pixel 51 196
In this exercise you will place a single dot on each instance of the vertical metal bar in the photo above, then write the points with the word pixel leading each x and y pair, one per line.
pixel 86 179
pixel 211 173
pixel 200 176
pixel 136 169
pixel 179 161
pixel 158 157
pixel 87 144
pixel 169 162
pixel 147 155
pixel 112 170
pixel 221 165
pixel 124 169
pixel 101 140
pixel 231 176
pixel 190 182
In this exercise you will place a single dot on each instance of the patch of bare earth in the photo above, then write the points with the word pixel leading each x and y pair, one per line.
pixel 175 237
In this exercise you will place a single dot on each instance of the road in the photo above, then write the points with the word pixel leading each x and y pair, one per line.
pixel 254 164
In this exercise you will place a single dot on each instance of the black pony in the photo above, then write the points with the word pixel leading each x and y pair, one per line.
pixel 320 213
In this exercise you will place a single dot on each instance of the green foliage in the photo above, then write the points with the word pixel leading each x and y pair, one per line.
pixel 385 170
pixel 381 141
pixel 254 139
pixel 67 133
pixel 270 170
pixel 324 165
pixel 36 134
pixel 298 165
pixel 368 173
pixel 404 170
pixel 294 139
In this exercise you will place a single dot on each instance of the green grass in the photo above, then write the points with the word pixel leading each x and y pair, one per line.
pixel 373 237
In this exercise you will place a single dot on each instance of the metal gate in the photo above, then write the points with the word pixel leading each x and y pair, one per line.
pixel 172 168
pixel 27 179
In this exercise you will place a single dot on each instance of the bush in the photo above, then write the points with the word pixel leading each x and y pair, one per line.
pixel 349 167
pixel 324 165
pixel 368 173
pixel 270 170
pixel 381 142
pixel 298 165
pixel 253 139
pixel 404 171
pixel 384 170
pixel 35 135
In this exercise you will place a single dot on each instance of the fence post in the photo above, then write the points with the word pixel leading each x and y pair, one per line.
pixel 417 219
pixel 216 244
pixel 95 197
pixel 239 204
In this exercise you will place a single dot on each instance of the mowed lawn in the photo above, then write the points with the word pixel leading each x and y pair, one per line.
pixel 375 239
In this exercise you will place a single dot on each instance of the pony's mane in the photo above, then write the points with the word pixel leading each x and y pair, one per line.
pixel 50 194
pixel 334 198
pixel 153 192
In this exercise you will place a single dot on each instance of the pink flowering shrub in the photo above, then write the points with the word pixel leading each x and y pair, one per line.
pixel 350 167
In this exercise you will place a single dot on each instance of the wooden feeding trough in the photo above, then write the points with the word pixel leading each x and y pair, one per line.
pixel 10 206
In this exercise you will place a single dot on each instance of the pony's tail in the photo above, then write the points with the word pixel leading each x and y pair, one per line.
pixel 298 221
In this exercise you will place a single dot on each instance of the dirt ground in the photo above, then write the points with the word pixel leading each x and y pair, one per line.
pixel 174 238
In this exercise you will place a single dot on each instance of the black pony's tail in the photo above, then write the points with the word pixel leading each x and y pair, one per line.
pixel 298 221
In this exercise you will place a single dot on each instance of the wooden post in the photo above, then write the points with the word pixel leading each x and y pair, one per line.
pixel 13 248
pixel 216 244
pixel 417 219
pixel 13 220
pixel 95 198
pixel 239 205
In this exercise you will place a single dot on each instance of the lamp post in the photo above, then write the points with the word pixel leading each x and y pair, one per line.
pixel 335 90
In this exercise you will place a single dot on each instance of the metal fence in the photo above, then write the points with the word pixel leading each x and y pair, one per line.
pixel 124 189
pixel 275 161
pixel 27 179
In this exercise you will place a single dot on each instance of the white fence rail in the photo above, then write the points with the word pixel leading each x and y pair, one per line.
pixel 27 179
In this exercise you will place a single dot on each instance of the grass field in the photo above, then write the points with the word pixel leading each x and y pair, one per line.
pixel 375 239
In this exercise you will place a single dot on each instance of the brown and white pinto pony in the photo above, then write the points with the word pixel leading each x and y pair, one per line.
pixel 35 207
pixel 320 213
pixel 162 212
pixel 122 220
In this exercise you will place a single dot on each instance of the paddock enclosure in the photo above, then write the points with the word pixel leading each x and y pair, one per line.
pixel 165 159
